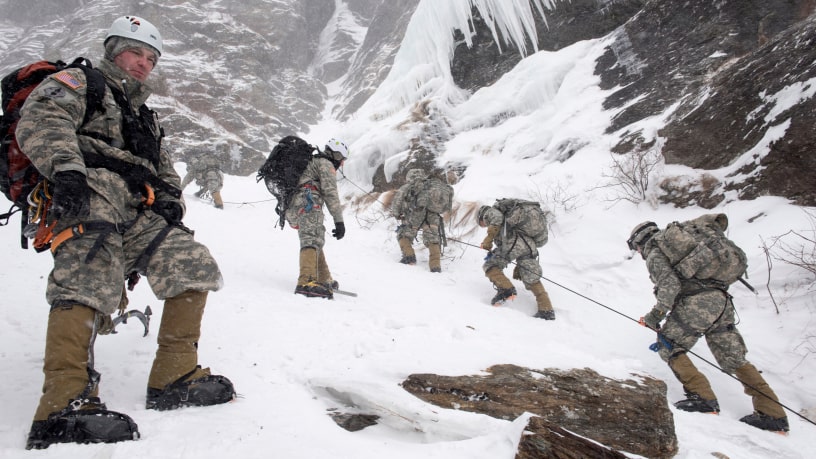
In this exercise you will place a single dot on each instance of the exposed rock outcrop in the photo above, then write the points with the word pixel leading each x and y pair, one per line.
pixel 631 416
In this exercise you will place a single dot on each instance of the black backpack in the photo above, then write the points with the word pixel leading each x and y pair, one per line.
pixel 18 177
pixel 283 168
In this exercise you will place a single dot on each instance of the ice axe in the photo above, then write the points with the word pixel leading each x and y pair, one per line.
pixel 143 317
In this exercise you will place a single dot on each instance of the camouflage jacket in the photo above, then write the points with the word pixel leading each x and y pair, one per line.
pixel 321 174
pixel 48 134
pixel 667 284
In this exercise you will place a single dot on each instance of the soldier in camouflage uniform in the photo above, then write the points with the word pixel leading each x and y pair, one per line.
pixel 413 219
pixel 317 187
pixel 512 245
pixel 106 228
pixel 698 308
pixel 206 171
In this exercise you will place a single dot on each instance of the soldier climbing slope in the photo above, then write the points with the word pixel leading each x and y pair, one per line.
pixel 317 187
pixel 206 171
pixel 691 288
pixel 517 228
pixel 418 206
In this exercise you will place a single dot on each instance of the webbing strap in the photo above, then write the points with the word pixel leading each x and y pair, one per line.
pixel 102 227
pixel 141 263
pixel 77 230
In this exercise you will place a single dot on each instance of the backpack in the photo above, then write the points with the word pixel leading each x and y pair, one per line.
pixel 282 170
pixel 18 177
pixel 434 195
pixel 699 249
pixel 525 217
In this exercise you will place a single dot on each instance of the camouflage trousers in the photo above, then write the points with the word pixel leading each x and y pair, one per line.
pixel 305 214
pixel 708 314
pixel 427 222
pixel 212 185
pixel 523 251
pixel 178 264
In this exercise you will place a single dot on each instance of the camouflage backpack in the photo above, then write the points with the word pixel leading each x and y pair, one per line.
pixel 434 195
pixel 525 217
pixel 699 249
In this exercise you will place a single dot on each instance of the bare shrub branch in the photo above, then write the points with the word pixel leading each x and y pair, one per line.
pixel 769 262
pixel 555 196
pixel 630 175
pixel 794 248
pixel 798 248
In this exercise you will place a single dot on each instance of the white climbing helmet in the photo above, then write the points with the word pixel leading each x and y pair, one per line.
pixel 138 29
pixel 337 146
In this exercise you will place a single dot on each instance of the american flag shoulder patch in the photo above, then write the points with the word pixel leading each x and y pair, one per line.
pixel 68 80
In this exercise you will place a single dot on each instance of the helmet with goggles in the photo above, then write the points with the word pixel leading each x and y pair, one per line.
pixel 641 234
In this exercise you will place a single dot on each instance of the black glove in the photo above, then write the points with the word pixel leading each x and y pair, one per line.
pixel 339 230
pixel 72 197
pixel 170 210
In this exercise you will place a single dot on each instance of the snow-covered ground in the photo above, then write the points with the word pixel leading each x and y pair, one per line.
pixel 293 359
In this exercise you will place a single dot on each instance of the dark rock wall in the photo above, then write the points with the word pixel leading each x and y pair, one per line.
pixel 737 114
pixel 718 59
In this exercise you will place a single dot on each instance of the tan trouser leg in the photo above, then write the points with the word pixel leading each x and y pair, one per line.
pixel 179 332
pixel 308 266
pixel 323 274
pixel 435 257
pixel 68 354
pixel 217 201
pixel 498 278
pixel 541 296
pixel 691 378
pixel 406 247
pixel 755 386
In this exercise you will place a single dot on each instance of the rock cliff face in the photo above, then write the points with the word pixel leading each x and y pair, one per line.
pixel 742 104
pixel 246 72
pixel 726 70
pixel 273 64
pixel 730 77
pixel 726 65
pixel 376 53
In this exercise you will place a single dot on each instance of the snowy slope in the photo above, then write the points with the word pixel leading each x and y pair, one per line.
pixel 294 358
